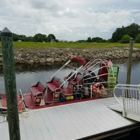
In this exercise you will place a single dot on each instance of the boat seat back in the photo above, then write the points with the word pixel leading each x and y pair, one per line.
pixel 103 72
pixel 77 80
pixel 53 89
pixel 37 89
pixel 53 84
pixel 37 92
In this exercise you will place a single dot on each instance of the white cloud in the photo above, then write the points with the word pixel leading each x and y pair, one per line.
pixel 68 20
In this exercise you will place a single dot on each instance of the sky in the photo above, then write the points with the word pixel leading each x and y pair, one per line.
pixel 69 20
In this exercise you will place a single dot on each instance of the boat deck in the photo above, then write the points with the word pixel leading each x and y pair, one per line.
pixel 69 122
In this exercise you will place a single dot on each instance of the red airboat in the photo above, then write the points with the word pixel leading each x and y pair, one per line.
pixel 87 82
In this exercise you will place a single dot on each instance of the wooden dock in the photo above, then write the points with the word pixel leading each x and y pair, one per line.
pixel 69 122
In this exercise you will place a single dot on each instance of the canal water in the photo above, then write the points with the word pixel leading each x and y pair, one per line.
pixel 27 75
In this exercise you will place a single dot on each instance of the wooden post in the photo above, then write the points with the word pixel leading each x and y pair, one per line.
pixel 10 83
pixel 128 78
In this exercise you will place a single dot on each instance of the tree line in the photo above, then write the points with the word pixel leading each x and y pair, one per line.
pixel 121 35
pixel 36 38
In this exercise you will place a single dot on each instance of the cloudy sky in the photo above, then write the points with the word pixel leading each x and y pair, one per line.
pixel 68 19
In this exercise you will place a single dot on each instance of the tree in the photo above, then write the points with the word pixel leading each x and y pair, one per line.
pixel 125 39
pixel 131 30
pixel 0 35
pixel 29 39
pixel 22 37
pixel 81 41
pixel 98 39
pixel 89 39
pixel 118 34
pixel 39 37
pixel 50 36
pixel 15 37
pixel 137 39
pixel 109 40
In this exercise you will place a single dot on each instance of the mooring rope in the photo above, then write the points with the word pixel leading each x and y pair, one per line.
pixel 24 115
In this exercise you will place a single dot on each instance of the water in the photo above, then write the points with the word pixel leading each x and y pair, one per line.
pixel 27 75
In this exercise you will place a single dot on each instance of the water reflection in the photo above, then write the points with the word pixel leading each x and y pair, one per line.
pixel 135 68
pixel 28 74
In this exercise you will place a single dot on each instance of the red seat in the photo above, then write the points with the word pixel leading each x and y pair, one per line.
pixel 66 91
pixel 53 89
pixel 37 92
pixel 53 85
pixel 76 81
pixel 37 89
pixel 103 72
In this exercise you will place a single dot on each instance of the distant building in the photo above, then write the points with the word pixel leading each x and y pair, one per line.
pixel 52 40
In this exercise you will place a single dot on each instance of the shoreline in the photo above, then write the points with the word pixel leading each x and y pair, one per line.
pixel 52 56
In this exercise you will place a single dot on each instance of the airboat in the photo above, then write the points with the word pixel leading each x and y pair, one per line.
pixel 92 80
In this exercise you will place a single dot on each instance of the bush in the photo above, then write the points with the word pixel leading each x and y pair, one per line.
pixel 137 39
pixel 125 39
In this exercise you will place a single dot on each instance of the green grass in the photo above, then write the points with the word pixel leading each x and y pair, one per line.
pixel 70 45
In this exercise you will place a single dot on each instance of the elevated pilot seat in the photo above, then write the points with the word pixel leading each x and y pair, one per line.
pixel 75 85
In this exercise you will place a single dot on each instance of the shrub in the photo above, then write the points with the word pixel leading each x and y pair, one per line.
pixel 125 39
pixel 137 39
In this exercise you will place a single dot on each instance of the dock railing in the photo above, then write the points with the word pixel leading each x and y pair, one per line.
pixel 128 97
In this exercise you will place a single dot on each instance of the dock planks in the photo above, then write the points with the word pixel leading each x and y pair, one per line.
pixel 69 122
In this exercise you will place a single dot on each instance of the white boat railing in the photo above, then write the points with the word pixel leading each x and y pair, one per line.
pixel 129 98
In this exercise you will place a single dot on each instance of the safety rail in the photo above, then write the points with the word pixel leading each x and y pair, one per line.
pixel 22 98
pixel 129 98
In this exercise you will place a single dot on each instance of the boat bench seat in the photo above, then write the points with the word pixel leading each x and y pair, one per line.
pixel 53 85
pixel 37 92
pixel 53 89
pixel 37 89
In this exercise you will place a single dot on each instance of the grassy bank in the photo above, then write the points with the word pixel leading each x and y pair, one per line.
pixel 70 45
